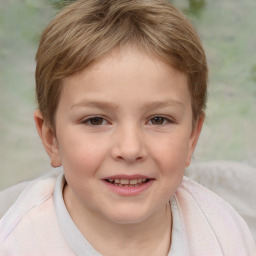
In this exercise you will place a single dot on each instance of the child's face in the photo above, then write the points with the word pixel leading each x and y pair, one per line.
pixel 125 119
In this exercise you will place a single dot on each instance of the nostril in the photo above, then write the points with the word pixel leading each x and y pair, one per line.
pixel 130 158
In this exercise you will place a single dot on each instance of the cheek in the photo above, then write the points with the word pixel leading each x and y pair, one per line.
pixel 81 156
pixel 81 162
pixel 171 151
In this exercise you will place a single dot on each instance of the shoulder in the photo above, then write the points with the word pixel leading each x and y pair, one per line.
pixel 9 196
pixel 232 181
pixel 30 226
pixel 209 219
pixel 26 197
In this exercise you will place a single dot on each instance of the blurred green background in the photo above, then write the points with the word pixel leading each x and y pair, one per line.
pixel 228 31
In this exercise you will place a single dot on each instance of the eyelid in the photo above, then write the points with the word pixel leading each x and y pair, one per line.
pixel 167 120
pixel 88 118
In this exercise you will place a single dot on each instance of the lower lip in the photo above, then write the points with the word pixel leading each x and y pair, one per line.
pixel 129 191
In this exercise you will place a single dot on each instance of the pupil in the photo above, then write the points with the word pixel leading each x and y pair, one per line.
pixel 157 120
pixel 96 121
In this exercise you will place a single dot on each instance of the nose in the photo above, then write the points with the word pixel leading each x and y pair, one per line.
pixel 129 144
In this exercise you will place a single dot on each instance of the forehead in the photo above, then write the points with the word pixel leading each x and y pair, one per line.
pixel 125 73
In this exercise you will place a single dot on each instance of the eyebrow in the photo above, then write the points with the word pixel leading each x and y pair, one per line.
pixel 95 103
pixel 162 104
pixel 111 105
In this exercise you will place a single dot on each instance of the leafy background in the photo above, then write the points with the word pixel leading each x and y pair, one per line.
pixel 228 31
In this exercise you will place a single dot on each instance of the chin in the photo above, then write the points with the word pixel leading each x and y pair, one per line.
pixel 128 217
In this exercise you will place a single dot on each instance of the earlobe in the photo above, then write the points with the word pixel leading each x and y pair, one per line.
pixel 48 138
pixel 194 137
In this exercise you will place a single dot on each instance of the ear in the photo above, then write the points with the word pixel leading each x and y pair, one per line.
pixel 194 137
pixel 48 138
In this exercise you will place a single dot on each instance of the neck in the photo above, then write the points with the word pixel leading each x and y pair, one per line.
pixel 151 237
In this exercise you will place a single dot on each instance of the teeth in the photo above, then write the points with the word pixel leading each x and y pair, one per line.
pixel 133 182
pixel 130 183
pixel 124 182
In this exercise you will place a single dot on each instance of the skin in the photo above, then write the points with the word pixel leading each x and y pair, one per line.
pixel 143 127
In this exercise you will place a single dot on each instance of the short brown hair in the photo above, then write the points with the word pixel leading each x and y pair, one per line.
pixel 87 29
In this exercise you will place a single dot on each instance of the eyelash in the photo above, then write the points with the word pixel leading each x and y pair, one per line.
pixel 164 120
pixel 89 121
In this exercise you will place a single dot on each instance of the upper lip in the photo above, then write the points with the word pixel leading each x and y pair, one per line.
pixel 127 177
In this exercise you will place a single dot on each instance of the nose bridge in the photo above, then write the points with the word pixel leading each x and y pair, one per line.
pixel 129 144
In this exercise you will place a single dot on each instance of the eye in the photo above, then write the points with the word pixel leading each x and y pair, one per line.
pixel 95 121
pixel 159 120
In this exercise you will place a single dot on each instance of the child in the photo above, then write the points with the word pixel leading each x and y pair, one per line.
pixel 121 88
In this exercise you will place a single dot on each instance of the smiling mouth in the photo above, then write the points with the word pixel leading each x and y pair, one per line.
pixel 127 182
